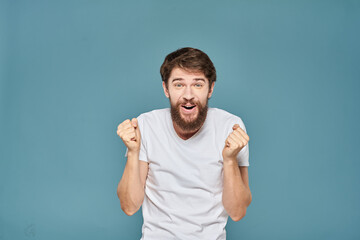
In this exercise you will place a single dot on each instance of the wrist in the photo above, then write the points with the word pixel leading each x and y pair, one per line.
pixel 133 153
pixel 230 160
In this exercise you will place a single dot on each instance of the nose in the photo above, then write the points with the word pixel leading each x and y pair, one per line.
pixel 188 94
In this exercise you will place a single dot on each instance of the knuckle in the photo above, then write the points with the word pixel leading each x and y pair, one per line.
pixel 123 123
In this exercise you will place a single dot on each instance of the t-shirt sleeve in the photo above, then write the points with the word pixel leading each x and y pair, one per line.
pixel 243 155
pixel 143 152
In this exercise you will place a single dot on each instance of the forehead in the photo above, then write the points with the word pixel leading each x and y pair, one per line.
pixel 184 74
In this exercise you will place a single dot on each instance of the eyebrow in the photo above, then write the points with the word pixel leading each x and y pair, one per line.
pixel 180 79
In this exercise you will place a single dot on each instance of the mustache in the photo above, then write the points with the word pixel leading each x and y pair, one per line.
pixel 190 102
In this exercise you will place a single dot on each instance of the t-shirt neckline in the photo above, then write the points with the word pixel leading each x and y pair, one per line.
pixel 176 136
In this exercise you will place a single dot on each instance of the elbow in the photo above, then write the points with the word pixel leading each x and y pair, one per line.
pixel 118 193
pixel 128 211
pixel 242 212
pixel 129 203
pixel 128 207
pixel 250 199
pixel 237 217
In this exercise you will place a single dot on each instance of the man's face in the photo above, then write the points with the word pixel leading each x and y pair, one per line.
pixel 188 93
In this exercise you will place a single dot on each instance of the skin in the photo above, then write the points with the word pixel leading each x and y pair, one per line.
pixel 184 86
pixel 131 186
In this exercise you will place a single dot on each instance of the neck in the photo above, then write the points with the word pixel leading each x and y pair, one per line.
pixel 184 134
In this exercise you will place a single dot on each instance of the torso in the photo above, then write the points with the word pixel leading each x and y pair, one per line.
pixel 183 189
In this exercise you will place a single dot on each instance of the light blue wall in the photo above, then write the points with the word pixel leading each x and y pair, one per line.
pixel 3 55
pixel 71 71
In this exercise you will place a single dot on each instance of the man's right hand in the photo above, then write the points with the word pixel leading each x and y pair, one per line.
pixel 129 132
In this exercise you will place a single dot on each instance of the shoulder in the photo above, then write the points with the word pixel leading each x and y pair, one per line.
pixel 222 115
pixel 225 118
pixel 155 118
pixel 154 114
pixel 152 122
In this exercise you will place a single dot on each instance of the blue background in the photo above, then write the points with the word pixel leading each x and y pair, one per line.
pixel 71 71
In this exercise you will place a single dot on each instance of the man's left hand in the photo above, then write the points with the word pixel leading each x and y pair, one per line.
pixel 235 142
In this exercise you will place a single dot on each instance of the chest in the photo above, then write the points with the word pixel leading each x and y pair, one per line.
pixel 196 164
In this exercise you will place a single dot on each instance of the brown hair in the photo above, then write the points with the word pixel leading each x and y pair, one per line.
pixel 189 59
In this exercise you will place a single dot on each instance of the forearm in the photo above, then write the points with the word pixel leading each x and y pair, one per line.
pixel 236 195
pixel 130 189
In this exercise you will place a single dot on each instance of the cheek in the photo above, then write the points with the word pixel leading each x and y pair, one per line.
pixel 174 99
pixel 175 95
pixel 203 97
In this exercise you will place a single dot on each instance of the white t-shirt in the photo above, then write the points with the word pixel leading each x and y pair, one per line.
pixel 183 190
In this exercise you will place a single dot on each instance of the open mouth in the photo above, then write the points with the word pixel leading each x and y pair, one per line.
pixel 188 107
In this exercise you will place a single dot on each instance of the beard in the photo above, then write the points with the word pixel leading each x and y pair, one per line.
pixel 189 125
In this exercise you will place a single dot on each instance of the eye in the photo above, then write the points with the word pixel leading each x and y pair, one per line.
pixel 198 85
pixel 178 85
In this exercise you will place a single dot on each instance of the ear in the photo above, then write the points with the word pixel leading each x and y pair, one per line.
pixel 166 91
pixel 211 89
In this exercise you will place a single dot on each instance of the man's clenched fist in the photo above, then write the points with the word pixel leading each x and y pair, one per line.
pixel 235 142
pixel 130 134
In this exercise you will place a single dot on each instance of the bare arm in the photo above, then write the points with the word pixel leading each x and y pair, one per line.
pixel 131 188
pixel 236 192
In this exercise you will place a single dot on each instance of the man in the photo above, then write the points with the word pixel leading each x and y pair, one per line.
pixel 187 164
